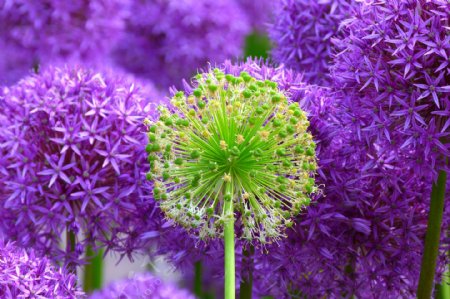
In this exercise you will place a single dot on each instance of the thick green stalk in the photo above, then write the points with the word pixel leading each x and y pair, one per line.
pixel 93 271
pixel 428 269
pixel 198 279
pixel 230 278
pixel 246 286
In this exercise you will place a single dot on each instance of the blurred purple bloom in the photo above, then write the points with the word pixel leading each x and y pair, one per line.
pixel 25 275
pixel 43 32
pixel 169 40
pixel 72 144
pixel 141 286
pixel 258 13
pixel 302 31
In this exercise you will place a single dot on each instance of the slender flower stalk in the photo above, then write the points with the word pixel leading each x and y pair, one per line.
pixel 198 291
pixel 429 258
pixel 93 270
pixel 232 153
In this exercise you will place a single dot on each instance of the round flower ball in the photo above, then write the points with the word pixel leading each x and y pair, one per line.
pixel 142 285
pixel 73 161
pixel 43 32
pixel 302 32
pixel 233 146
pixel 395 55
pixel 167 40
pixel 25 275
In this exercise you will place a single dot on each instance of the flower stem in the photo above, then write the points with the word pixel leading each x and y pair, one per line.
pixel 230 279
pixel 246 286
pixel 198 279
pixel 429 258
pixel 70 247
pixel 93 271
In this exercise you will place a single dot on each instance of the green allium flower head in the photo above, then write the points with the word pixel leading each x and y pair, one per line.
pixel 232 139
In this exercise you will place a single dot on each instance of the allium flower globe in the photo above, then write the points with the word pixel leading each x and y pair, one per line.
pixel 72 160
pixel 395 55
pixel 52 30
pixel 142 286
pixel 25 275
pixel 167 40
pixel 233 145
pixel 302 31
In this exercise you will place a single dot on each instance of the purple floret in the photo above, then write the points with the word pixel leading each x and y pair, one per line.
pixel 72 144
pixel 167 40
pixel 26 275
pixel 142 285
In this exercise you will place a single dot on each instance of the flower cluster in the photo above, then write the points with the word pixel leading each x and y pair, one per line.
pixel 169 40
pixel 72 160
pixel 302 32
pixel 142 286
pixel 53 30
pixel 234 144
pixel 24 275
pixel 395 57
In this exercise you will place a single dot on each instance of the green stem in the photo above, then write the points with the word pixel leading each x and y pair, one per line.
pixel 443 290
pixel 198 279
pixel 230 279
pixel 93 271
pixel 246 286
pixel 428 269
pixel 70 247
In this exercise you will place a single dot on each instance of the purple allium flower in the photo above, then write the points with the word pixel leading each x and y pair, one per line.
pixel 302 32
pixel 39 32
pixel 25 275
pixel 142 285
pixel 395 55
pixel 72 159
pixel 169 40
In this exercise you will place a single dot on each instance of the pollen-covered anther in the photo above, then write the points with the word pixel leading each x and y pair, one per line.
pixel 223 144
pixel 191 100
pixel 264 135
pixel 227 178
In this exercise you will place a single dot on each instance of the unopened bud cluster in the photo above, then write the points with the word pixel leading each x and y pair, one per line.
pixel 232 139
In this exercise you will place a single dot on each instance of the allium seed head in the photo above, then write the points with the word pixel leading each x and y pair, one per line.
pixel 232 139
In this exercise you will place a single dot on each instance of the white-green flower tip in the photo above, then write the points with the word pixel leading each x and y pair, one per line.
pixel 232 138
